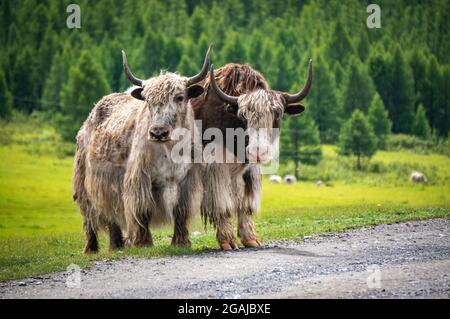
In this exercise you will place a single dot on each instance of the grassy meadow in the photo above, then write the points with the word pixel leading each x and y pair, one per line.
pixel 41 231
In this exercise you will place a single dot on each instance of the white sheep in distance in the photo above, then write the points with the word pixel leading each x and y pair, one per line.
pixel 290 179
pixel 418 177
pixel 275 179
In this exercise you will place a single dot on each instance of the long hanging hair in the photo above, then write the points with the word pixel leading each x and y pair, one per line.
pixel 236 79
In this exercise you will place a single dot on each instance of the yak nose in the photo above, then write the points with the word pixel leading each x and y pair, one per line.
pixel 159 133
pixel 259 154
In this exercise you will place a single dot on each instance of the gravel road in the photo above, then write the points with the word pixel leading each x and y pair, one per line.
pixel 404 260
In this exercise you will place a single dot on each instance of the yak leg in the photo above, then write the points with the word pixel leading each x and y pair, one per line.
pixel 115 237
pixel 249 205
pixel 218 203
pixel 190 197
pixel 138 203
pixel 182 213
pixel 139 234
pixel 91 245
pixel 181 231
pixel 225 234
pixel 81 198
pixel 246 230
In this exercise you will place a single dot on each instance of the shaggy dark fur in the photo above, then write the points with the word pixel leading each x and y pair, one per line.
pixel 229 190
pixel 234 79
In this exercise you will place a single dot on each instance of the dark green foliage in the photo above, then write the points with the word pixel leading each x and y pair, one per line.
pixel 56 78
pixel 443 123
pixel 394 81
pixel 363 46
pixel 233 50
pixel 398 142
pixel 380 71
pixel 24 79
pixel 401 107
pixel 86 85
pixel 340 48
pixel 300 141
pixel 418 65
pixel 435 96
pixel 323 102
pixel 359 90
pixel 357 138
pixel 6 100
pixel 407 58
pixel 379 119
pixel 421 128
pixel 152 53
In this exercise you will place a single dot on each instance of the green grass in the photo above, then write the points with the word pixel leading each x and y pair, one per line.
pixel 40 227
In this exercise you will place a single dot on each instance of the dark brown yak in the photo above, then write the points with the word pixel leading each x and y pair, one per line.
pixel 237 96
pixel 124 177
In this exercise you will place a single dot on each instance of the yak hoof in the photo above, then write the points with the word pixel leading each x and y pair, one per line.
pixel 90 251
pixel 181 243
pixel 228 245
pixel 251 243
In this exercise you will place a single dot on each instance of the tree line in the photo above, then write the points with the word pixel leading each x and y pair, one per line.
pixel 398 76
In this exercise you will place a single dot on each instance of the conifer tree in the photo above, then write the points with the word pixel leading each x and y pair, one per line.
pixel 322 102
pixel 86 85
pixel 379 119
pixel 380 66
pixel 401 107
pixel 357 138
pixel 152 53
pixel 300 141
pixel 443 123
pixel 6 100
pixel 24 80
pixel 432 95
pixel 233 50
pixel 363 46
pixel 420 127
pixel 254 49
pixel 418 64
pixel 56 78
pixel 340 47
pixel 359 89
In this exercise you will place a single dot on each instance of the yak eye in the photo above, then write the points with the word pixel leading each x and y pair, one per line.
pixel 179 98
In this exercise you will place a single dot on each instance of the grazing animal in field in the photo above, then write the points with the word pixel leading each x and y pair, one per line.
pixel 237 96
pixel 419 178
pixel 275 179
pixel 290 179
pixel 124 177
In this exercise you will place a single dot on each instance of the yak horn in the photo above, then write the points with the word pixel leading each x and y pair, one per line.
pixel 204 71
pixel 128 73
pixel 293 98
pixel 233 100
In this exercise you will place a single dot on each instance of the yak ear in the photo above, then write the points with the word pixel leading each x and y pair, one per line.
pixel 294 109
pixel 194 91
pixel 137 94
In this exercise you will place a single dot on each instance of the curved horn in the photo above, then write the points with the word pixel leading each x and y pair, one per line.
pixel 204 71
pixel 233 100
pixel 128 73
pixel 293 98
